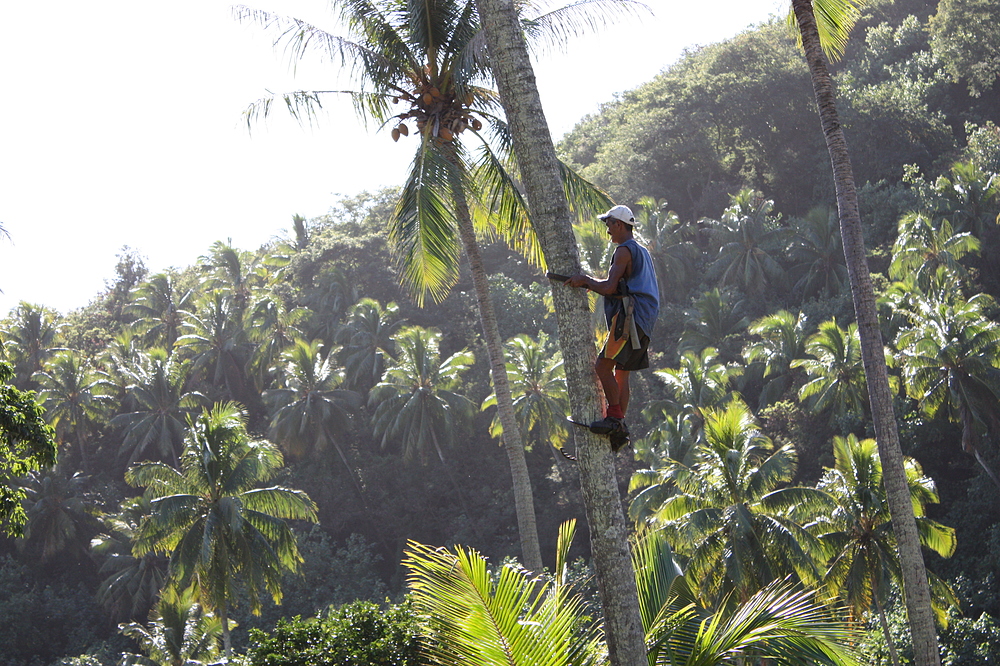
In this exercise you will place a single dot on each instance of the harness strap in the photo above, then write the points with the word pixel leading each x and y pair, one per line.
pixel 633 332
pixel 628 307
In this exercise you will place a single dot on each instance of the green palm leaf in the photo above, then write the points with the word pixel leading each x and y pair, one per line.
pixel 480 619
pixel 834 21
pixel 423 229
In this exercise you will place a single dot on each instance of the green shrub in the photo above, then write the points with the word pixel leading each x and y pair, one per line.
pixel 969 642
pixel 358 634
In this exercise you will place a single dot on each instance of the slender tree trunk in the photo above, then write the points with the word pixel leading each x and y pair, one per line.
pixel 524 506
pixel 969 443
pixel 893 656
pixel 227 644
pixel 323 433
pixel 84 454
pixel 986 468
pixel 915 587
pixel 550 216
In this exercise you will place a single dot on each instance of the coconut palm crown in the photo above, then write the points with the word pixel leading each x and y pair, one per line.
pixel 220 529
pixel 422 69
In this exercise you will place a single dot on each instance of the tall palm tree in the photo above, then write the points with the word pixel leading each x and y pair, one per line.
pixel 951 365
pixel 309 410
pixel 30 337
pixel 428 57
pixel 125 352
pixel 367 341
pixel 539 389
pixel 76 398
pixel 220 529
pixel 132 583
pixel 672 439
pixel 713 322
pixel 818 254
pixel 332 292
pixel 215 341
pixel 160 408
pixel 782 340
pixel 859 531
pixel 180 632
pixel 968 196
pixel 271 328
pixel 921 249
pixel 416 404
pixel 829 27
pixel 749 241
pixel 551 218
pixel 234 272
pixel 835 376
pixel 700 383
pixel 158 305
pixel 60 514
pixel 730 515
pixel 904 301
pixel 279 255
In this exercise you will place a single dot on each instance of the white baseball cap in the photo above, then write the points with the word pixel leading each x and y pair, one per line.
pixel 623 213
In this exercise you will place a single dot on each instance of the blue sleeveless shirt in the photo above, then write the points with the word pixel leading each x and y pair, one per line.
pixel 642 287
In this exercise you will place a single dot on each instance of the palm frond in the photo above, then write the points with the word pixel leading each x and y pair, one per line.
pixel 423 227
pixel 281 503
pixel 655 572
pixel 555 28
pixel 783 624
pixel 567 531
pixel 503 204
pixel 585 199
pixel 834 20
pixel 382 60
pixel 483 620
pixel 939 538
pixel 156 475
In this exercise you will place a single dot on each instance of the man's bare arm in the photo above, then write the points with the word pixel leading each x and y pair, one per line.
pixel 620 262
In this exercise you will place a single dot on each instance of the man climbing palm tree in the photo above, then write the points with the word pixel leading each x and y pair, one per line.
pixel 631 305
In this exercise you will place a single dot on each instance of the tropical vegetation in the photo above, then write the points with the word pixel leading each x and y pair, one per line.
pixel 207 416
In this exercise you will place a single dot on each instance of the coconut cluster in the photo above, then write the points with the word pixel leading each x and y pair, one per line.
pixel 442 112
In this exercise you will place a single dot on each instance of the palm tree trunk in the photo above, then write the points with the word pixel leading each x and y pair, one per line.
pixel 893 656
pixel 84 455
pixel 227 644
pixel 915 587
pixel 343 458
pixel 550 216
pixel 986 468
pixel 524 506
pixel 969 442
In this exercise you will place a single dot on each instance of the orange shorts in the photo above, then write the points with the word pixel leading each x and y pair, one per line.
pixel 620 349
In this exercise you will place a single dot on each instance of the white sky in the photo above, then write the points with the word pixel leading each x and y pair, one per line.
pixel 120 125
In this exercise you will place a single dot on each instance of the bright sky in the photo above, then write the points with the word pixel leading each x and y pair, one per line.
pixel 120 125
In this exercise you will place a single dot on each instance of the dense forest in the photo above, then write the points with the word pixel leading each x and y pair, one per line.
pixel 370 419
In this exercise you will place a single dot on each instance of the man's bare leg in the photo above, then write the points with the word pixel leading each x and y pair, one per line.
pixel 606 374
pixel 621 379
